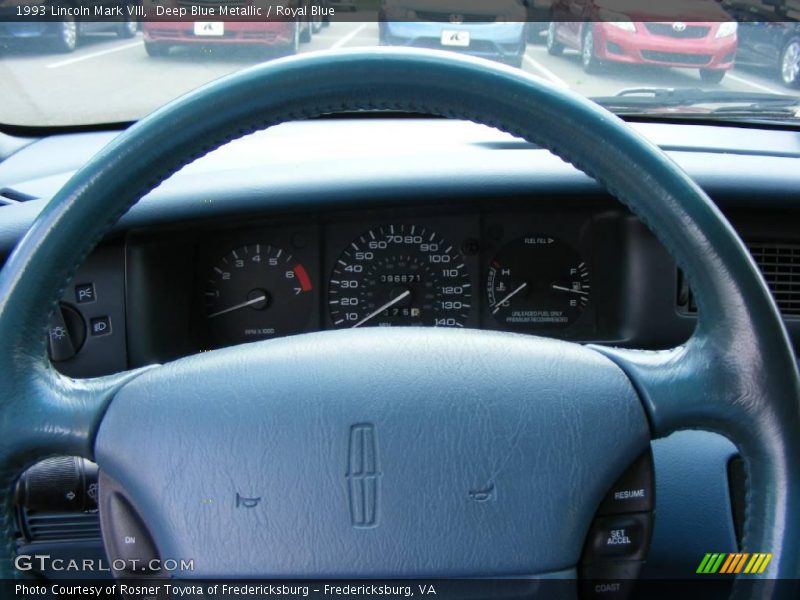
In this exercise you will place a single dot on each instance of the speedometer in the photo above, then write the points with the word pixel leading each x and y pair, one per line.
pixel 399 275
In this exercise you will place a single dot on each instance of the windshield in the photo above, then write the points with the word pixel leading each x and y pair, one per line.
pixel 95 62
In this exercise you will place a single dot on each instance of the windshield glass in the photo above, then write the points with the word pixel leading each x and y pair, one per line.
pixel 92 61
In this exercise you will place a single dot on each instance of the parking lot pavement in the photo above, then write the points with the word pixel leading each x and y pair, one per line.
pixel 117 80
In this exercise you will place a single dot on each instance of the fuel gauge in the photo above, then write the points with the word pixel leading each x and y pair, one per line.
pixel 537 281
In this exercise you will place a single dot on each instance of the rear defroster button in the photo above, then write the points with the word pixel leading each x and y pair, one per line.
pixel 619 537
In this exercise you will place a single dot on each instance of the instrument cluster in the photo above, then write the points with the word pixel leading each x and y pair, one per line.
pixel 529 273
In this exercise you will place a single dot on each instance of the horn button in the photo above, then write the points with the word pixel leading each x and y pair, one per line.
pixel 373 453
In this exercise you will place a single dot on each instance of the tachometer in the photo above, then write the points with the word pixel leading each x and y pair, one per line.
pixel 256 292
pixel 399 275
pixel 537 281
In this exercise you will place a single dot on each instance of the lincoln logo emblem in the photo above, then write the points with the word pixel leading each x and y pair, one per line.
pixel 363 475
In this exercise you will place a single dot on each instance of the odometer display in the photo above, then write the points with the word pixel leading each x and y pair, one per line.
pixel 399 275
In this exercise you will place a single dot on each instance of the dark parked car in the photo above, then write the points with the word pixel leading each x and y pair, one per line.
pixel 65 35
pixel 538 17
pixel 774 46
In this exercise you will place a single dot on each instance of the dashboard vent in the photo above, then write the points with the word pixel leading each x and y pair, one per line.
pixel 779 262
pixel 60 527
pixel 780 265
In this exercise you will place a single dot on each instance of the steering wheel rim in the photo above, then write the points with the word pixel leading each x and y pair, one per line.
pixel 739 359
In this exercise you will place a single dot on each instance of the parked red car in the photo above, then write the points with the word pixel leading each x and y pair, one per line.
pixel 705 45
pixel 171 29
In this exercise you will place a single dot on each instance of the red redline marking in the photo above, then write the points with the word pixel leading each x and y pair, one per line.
pixel 302 277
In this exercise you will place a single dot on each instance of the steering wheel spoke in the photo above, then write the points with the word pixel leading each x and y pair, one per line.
pixel 680 387
pixel 56 415
pixel 704 385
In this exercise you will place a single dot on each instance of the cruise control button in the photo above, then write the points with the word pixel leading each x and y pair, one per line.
pixel 633 491
pixel 619 537
pixel 609 580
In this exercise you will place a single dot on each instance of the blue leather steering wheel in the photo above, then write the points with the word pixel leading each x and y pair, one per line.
pixel 549 425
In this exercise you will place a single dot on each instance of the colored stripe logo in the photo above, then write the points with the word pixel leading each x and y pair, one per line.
pixel 732 563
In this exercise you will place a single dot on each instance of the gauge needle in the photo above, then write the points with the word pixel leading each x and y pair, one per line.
pixel 509 297
pixel 237 307
pixel 571 290
pixel 378 311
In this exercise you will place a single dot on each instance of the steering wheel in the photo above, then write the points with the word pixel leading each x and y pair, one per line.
pixel 354 452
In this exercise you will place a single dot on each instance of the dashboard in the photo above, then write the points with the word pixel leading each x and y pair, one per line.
pixel 224 254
